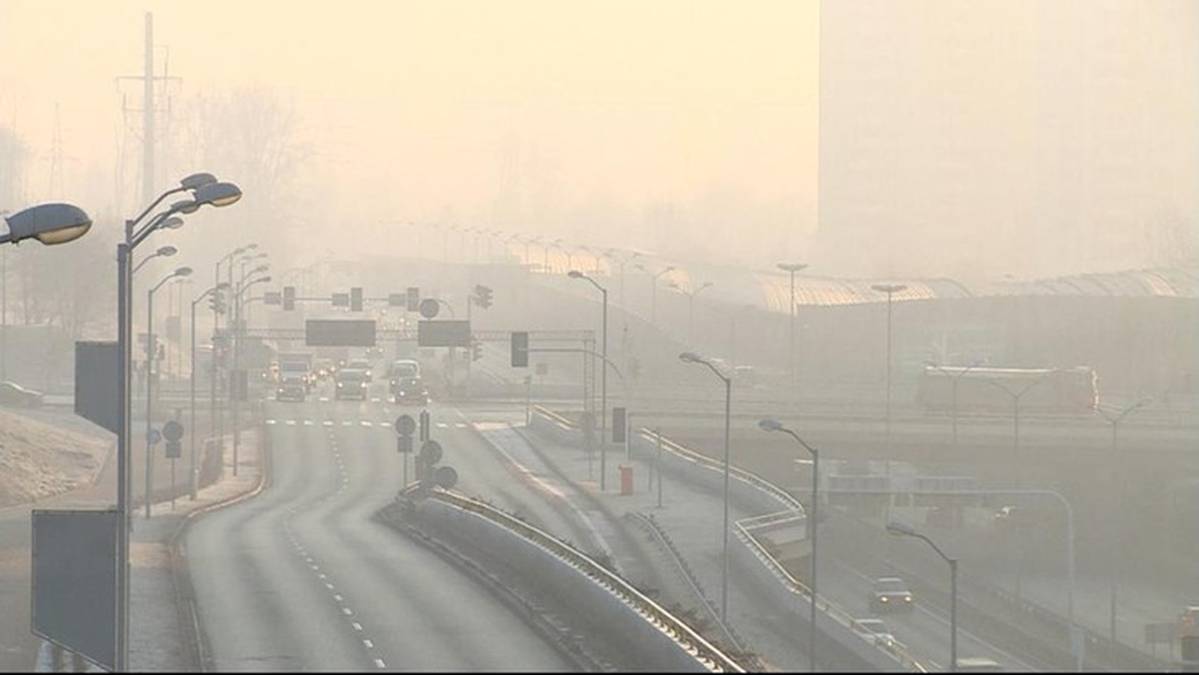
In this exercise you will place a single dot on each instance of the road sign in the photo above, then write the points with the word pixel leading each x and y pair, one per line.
pixel 396 300
pixel 339 333
pixel 341 299
pixel 424 425
pixel 429 308
pixel 272 298
pixel 405 425
pixel 430 452
pixel 619 423
pixel 404 444
pixel 74 573
pixel 356 299
pixel 413 298
pixel 172 430
pixel 445 333
pixel 153 437
pixel 445 477
pixel 96 368
pixel 520 349
pixel 173 450
pixel 289 298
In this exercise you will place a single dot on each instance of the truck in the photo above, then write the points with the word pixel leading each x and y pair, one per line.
pixel 296 366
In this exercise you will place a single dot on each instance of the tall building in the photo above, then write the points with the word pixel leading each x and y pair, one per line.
pixel 1004 136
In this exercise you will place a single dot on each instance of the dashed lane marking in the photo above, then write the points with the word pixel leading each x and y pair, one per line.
pixel 307 423
pixel 368 644
pixel 461 425
pixel 271 422
pixel 442 425
pixel 357 626
pixel 347 611
pixel 328 423
pixel 337 597
pixel 324 399
pixel 375 400
pixel 379 664
pixel 347 423
pixel 365 423
pixel 291 423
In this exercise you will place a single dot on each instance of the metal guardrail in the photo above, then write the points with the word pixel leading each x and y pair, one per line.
pixel 690 641
pixel 829 609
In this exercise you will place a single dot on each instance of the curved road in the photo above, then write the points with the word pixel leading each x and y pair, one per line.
pixel 302 577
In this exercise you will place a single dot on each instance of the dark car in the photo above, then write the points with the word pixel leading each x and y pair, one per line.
pixel 351 383
pixel 410 390
pixel 291 390
pixel 13 394
pixel 890 594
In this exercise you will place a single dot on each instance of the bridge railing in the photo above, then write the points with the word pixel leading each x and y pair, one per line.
pixel 690 641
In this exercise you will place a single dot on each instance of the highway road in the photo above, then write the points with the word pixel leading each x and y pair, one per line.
pixel 302 577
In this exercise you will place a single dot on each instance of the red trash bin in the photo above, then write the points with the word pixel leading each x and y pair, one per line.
pixel 626 480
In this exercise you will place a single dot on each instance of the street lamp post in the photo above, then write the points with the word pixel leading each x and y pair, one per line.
pixel 199 298
pixel 653 289
pixel 691 306
pixel 775 425
pixel 1117 502
pixel 150 358
pixel 904 530
pixel 217 421
pixel 890 290
pixel 692 357
pixel 205 191
pixel 575 274
pixel 791 269
pixel 954 378
pixel 238 328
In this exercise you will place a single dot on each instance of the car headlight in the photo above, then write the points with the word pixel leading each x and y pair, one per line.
pixel 340 385
pixel 883 599
pixel 907 598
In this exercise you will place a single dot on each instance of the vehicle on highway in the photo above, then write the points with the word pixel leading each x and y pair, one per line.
pixel 410 391
pixel 16 396
pixel 363 365
pixel 291 390
pixel 1049 390
pixel 403 368
pixel 890 594
pixel 978 664
pixel 874 631
pixel 351 383
pixel 296 366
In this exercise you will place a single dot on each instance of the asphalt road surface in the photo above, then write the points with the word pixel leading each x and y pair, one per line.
pixel 302 577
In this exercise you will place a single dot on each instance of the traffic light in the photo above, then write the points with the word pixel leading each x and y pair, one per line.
pixel 356 299
pixel 216 302
pixel 476 350
pixel 289 298
pixel 520 349
pixel 482 296
pixel 413 298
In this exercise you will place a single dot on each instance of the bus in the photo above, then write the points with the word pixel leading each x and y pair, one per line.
pixel 985 389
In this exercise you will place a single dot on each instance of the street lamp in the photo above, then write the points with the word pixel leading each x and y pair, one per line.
pixel 1117 503
pixel 50 224
pixel 791 269
pixel 178 273
pixel 692 357
pixel 904 530
pixel 216 420
pixel 162 252
pixel 205 190
pixel 890 290
pixel 954 377
pixel 691 306
pixel 214 289
pixel 653 288
pixel 775 425
pixel 575 274
pixel 238 327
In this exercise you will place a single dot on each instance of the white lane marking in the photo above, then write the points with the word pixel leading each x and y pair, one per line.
pixel 328 423
pixel 346 611
pixel 290 423
pixel 379 664
pixel 365 423
pixel 442 425
pixel 337 597
pixel 461 425
pixel 347 423
pixel 324 399
pixel 356 625
pixel 271 422
pixel 368 644
pixel 322 576
pixel 307 423
pixel 329 586
pixel 375 400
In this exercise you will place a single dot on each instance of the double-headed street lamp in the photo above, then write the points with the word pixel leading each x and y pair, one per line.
pixel 691 306
pixel 205 191
pixel 214 289
pixel 954 373
pixel 775 425
pixel 603 420
pixel 178 273
pixel 692 357
pixel 890 290
pixel 216 418
pixel 904 530
pixel 162 252
pixel 235 389
pixel 791 269
pixel 1114 419
pixel 653 288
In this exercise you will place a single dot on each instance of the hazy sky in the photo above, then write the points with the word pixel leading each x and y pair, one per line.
pixel 504 110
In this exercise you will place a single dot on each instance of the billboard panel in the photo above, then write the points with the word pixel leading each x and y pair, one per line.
pixel 339 333
pixel 443 334
pixel 97 366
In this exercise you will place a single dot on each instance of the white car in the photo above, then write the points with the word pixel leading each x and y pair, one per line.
pixel 874 631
